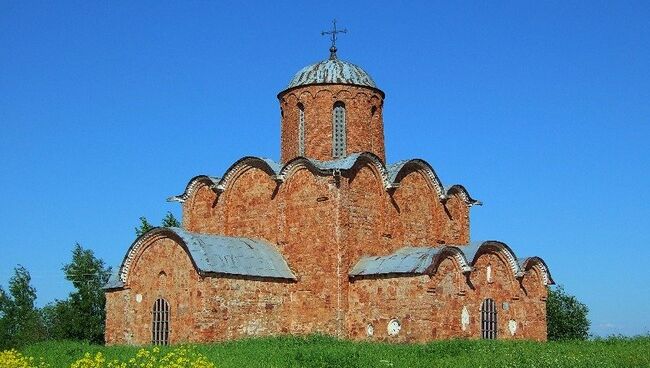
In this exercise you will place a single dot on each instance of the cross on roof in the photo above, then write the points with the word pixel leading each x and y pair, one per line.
pixel 333 37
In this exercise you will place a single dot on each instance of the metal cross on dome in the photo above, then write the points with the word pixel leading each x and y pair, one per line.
pixel 333 37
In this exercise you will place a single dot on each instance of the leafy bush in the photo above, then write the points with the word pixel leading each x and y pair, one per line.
pixel 566 317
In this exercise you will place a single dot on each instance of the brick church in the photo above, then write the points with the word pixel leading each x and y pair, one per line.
pixel 331 239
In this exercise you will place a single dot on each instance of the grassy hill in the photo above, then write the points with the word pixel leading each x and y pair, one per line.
pixel 319 351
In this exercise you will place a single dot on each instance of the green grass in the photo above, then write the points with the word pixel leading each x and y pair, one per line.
pixel 320 351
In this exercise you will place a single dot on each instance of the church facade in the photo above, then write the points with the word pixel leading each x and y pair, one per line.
pixel 330 240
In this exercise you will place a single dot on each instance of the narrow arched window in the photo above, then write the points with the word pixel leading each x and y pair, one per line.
pixel 160 322
pixel 301 129
pixel 488 319
pixel 338 130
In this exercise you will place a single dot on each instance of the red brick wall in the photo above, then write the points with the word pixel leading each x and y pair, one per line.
pixel 161 269
pixel 431 307
pixel 199 212
pixel 322 224
pixel 308 240
pixel 455 216
pixel 201 308
pixel 365 129
pixel 365 213
pixel 249 205
pixel 534 296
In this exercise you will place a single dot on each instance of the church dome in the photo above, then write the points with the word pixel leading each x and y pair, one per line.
pixel 332 71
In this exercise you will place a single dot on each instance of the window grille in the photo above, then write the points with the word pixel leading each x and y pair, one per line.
pixel 160 323
pixel 338 131
pixel 301 130
pixel 489 319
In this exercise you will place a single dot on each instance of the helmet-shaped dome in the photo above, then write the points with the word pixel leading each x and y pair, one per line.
pixel 332 71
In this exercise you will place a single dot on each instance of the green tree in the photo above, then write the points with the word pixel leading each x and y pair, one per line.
pixel 20 321
pixel 6 336
pixel 82 315
pixel 56 317
pixel 170 220
pixel 566 316
pixel 144 227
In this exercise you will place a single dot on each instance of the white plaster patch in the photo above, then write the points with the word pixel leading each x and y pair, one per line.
pixel 253 327
pixel 489 273
pixel 370 330
pixel 393 327
pixel 464 318
pixel 512 326
pixel 138 298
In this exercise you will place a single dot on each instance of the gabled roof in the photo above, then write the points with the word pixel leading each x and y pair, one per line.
pixel 214 254
pixel 424 260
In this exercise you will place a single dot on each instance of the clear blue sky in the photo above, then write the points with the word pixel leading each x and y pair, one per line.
pixel 542 110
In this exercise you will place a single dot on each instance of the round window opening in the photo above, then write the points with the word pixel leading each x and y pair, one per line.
pixel 370 330
pixel 394 327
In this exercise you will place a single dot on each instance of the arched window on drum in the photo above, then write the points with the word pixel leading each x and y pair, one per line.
pixel 301 129
pixel 338 130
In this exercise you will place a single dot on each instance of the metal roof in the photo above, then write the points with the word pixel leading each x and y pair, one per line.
pixel 414 260
pixel 332 71
pixel 234 255
pixel 278 171
pixel 114 281
pixel 344 163
pixel 420 260
pixel 214 254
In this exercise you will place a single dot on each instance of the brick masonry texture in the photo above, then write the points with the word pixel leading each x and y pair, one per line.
pixel 364 122
pixel 323 223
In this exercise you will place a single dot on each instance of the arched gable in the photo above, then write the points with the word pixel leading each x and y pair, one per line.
pixel 447 277
pixel 248 204
pixel 366 210
pixel 460 190
pixel 193 185
pixel 391 175
pixel 198 201
pixel 365 165
pixel 140 245
pixel 199 209
pixel 400 170
pixel 267 165
pixel 538 264
pixel 473 252
pixel 419 213
pixel 453 253
pixel 456 217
